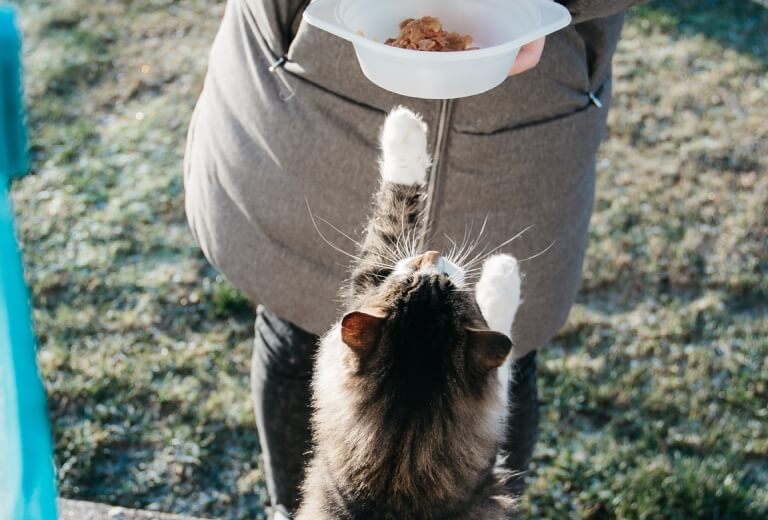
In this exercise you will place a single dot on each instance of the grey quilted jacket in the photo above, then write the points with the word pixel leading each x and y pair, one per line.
pixel 263 145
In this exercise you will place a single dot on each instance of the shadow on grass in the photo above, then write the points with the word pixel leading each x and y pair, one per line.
pixel 740 25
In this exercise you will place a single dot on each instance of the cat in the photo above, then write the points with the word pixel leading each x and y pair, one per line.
pixel 410 386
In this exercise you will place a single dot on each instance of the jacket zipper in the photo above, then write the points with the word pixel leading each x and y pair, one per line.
pixel 439 149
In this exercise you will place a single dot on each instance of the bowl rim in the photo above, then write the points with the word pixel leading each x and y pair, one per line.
pixel 317 13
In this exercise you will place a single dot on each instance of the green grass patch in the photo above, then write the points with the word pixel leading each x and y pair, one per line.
pixel 653 396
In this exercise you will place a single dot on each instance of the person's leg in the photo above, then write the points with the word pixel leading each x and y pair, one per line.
pixel 280 384
pixel 523 426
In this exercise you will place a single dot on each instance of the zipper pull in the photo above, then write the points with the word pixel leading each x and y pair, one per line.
pixel 595 100
pixel 277 64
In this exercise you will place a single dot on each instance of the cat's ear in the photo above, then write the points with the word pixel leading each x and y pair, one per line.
pixel 360 329
pixel 488 349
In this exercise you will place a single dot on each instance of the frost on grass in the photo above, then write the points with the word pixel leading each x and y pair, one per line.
pixel 654 395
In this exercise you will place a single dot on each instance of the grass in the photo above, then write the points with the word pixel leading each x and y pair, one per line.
pixel 654 395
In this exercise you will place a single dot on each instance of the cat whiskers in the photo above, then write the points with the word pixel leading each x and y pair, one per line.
pixel 482 255
pixel 472 268
pixel 551 244
pixel 356 258
pixel 467 247
pixel 458 254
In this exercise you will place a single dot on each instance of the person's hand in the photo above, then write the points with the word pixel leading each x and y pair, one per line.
pixel 528 57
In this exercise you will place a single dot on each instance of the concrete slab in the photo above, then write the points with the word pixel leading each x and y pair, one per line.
pixel 78 510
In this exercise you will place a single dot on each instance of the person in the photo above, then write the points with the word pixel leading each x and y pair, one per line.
pixel 287 124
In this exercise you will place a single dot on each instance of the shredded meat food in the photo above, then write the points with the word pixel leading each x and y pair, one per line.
pixel 427 34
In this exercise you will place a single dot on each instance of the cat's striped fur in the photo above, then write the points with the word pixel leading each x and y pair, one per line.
pixel 409 405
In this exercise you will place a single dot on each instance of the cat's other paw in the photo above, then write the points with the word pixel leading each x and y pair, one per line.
pixel 498 292
pixel 404 157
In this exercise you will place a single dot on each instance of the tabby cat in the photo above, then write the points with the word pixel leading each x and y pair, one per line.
pixel 410 387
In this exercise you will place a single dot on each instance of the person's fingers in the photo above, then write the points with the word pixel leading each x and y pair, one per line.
pixel 528 57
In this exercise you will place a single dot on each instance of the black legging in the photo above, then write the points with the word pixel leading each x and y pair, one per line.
pixel 280 376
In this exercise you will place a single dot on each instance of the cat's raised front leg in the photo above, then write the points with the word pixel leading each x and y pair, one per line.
pixel 498 296
pixel 498 292
pixel 396 227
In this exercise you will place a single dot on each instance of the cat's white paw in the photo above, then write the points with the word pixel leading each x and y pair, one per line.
pixel 498 292
pixel 498 296
pixel 404 157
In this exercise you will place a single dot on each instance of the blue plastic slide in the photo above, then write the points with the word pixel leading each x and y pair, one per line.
pixel 27 488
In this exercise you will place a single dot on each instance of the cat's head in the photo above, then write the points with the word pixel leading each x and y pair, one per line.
pixel 410 386
pixel 419 339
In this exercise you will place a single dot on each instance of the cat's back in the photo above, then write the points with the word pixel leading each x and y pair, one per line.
pixel 324 501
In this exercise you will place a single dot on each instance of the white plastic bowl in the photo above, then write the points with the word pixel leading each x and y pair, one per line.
pixel 499 29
